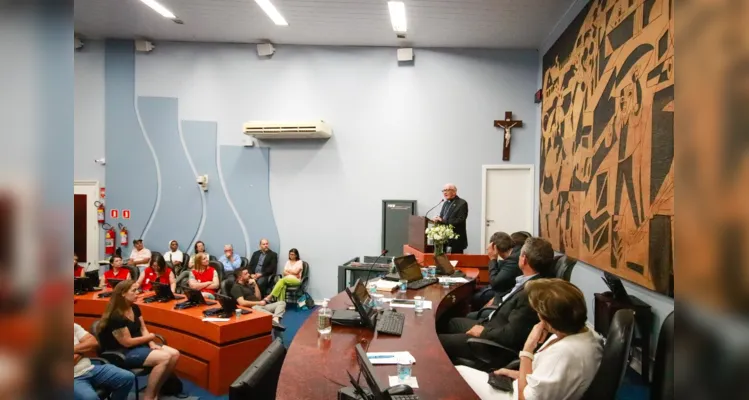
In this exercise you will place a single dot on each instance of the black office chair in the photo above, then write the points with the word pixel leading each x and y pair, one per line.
pixel 245 262
pixel 118 358
pixel 615 358
pixel 662 387
pixel 260 380
pixel 226 286
pixel 219 269
pixel 293 293
pixel 562 267
pixel 134 271
pixel 212 258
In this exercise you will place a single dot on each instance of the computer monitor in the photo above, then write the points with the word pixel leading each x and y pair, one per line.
pixel 196 297
pixel 93 279
pixel 163 291
pixel 408 268
pixel 362 302
pixel 367 369
pixel 228 303
pixel 444 267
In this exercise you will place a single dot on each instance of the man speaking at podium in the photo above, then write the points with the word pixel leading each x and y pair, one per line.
pixel 454 212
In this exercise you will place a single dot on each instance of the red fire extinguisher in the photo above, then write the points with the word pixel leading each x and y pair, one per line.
pixel 99 211
pixel 123 235
pixel 108 239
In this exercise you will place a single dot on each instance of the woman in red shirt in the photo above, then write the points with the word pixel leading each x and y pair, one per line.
pixel 203 277
pixel 157 271
pixel 115 272
pixel 78 271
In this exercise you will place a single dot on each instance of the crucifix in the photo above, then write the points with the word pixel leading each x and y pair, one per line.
pixel 507 124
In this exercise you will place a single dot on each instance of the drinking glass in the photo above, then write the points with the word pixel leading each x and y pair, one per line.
pixel 418 304
pixel 404 369
pixel 403 285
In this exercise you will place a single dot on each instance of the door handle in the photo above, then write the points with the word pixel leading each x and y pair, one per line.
pixel 489 220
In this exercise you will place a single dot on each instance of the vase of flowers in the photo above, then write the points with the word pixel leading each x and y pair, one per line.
pixel 439 234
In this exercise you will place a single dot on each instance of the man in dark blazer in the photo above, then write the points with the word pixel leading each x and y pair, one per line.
pixel 454 212
pixel 511 323
pixel 263 266
pixel 503 254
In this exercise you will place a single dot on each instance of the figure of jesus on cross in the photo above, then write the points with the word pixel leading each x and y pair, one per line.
pixel 507 124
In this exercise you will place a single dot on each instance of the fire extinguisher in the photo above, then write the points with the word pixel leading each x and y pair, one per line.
pixel 99 211
pixel 123 235
pixel 108 239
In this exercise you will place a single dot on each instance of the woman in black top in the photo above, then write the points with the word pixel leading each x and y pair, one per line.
pixel 122 328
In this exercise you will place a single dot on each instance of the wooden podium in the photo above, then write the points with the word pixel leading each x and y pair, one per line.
pixel 417 237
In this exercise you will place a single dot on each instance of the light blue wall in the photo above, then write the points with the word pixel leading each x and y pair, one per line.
pixel 89 112
pixel 585 276
pixel 399 132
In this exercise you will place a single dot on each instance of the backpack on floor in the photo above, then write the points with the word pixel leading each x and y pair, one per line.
pixel 305 302
pixel 173 387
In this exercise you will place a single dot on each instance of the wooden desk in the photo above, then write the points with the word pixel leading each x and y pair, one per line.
pixel 315 367
pixel 213 354
pixel 478 261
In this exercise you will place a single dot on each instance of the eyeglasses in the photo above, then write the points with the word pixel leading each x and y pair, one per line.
pixel 447 190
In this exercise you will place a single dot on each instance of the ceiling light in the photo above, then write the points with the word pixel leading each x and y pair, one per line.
pixel 156 6
pixel 272 12
pixel 398 15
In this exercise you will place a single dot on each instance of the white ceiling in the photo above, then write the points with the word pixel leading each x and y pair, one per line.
pixel 431 23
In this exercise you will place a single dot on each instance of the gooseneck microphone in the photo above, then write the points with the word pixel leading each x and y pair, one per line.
pixel 430 210
pixel 373 264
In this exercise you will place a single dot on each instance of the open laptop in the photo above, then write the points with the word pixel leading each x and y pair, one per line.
pixel 363 310
pixel 407 268
pixel 445 267
pixel 380 392
pixel 194 298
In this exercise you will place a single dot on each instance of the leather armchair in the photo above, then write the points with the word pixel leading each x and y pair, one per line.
pixel 662 387
pixel 490 355
pixel 226 286
pixel 563 266
pixel 615 358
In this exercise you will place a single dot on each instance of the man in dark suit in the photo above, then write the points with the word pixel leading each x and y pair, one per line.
pixel 454 212
pixel 503 254
pixel 511 323
pixel 263 266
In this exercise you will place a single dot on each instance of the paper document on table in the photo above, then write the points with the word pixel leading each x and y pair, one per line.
pixel 386 286
pixel 411 381
pixel 427 305
pixel 450 279
pixel 388 357
pixel 214 319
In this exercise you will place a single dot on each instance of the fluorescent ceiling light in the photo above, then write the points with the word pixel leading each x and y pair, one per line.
pixel 272 12
pixel 156 6
pixel 398 15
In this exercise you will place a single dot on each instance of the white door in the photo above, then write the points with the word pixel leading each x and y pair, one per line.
pixel 91 190
pixel 509 196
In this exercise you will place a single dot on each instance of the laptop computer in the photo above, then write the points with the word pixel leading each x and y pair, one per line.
pixel 445 267
pixel 380 392
pixel 363 310
pixel 407 268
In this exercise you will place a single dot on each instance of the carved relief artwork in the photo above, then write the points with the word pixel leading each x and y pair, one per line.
pixel 607 144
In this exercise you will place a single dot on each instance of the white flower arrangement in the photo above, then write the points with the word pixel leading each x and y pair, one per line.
pixel 441 233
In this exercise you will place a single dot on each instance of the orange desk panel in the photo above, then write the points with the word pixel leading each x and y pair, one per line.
pixel 213 353
pixel 478 261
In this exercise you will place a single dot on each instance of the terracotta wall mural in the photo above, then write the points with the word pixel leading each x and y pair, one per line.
pixel 607 145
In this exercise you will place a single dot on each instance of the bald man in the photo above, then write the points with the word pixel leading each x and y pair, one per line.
pixel 454 212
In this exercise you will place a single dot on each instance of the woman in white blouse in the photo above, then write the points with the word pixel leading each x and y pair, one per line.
pixel 564 366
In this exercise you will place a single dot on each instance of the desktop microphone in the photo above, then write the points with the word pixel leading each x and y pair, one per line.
pixel 373 264
pixel 430 210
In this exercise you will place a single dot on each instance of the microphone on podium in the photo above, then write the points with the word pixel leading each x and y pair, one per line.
pixel 385 251
pixel 435 206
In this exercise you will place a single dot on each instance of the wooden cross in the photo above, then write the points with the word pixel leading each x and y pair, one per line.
pixel 507 124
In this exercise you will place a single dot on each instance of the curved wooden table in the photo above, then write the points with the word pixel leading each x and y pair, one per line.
pixel 315 367
pixel 213 354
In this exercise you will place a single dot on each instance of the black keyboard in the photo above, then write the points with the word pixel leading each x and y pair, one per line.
pixel 213 311
pixel 150 299
pixel 422 283
pixel 105 295
pixel 404 397
pixel 391 323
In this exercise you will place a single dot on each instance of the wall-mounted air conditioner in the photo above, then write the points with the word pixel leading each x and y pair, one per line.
pixel 288 130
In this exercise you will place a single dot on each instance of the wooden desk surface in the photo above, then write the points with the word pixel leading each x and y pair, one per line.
pixel 315 367
pixel 213 353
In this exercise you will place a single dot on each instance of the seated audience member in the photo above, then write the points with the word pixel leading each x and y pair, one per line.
pixel 122 328
pixel 157 271
pixel 78 271
pixel 503 268
pixel 230 259
pixel 565 365
pixel 140 256
pixel 203 277
pixel 88 377
pixel 510 324
pixel 199 249
pixel 263 265
pixel 116 271
pixel 292 276
pixel 174 257
pixel 247 294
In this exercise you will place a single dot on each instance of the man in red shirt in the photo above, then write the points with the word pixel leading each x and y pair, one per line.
pixel 116 271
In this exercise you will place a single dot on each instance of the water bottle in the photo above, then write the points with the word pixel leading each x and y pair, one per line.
pixel 324 318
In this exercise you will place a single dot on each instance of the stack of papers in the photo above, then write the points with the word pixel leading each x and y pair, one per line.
pixel 386 286
pixel 215 319
pixel 427 304
pixel 449 279
pixel 389 357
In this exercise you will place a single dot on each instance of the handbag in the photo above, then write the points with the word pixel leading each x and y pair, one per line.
pixel 173 387
pixel 500 382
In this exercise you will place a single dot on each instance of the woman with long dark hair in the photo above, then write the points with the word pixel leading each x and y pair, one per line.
pixel 122 328
pixel 157 271
pixel 199 249
pixel 292 276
